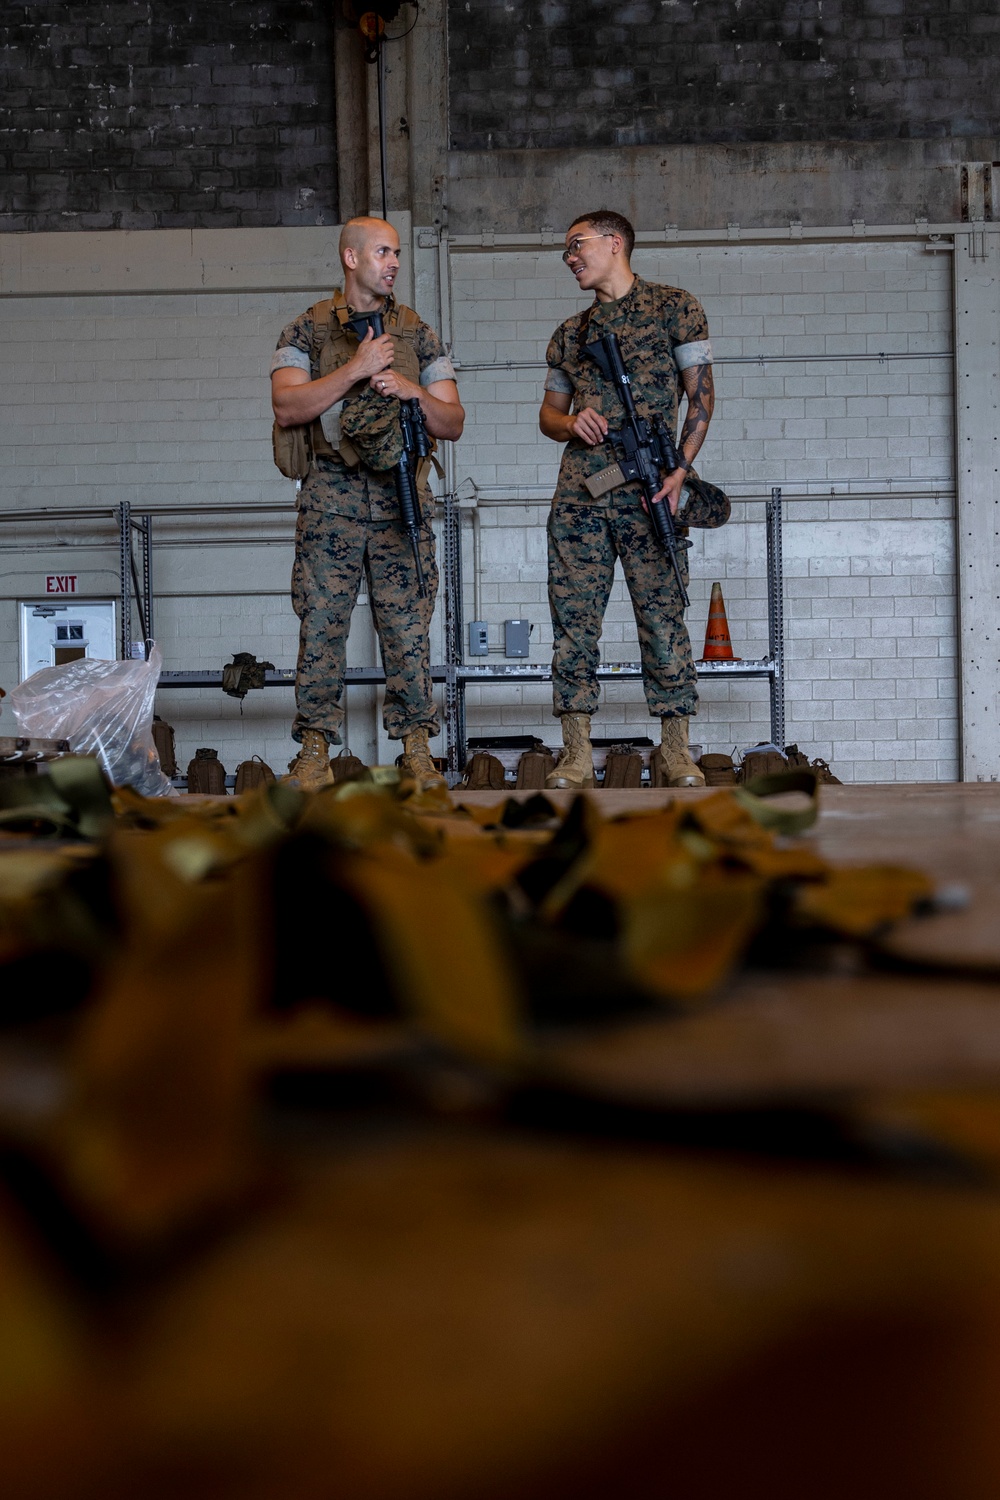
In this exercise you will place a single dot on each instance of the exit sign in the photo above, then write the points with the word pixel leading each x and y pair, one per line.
pixel 60 583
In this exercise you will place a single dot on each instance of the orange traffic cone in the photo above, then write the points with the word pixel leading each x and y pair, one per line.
pixel 718 646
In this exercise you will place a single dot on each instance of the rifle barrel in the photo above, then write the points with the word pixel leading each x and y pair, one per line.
pixel 406 483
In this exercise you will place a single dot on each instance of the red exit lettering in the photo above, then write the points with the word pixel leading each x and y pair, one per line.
pixel 60 583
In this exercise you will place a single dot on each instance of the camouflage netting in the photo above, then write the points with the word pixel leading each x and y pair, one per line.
pixel 503 1014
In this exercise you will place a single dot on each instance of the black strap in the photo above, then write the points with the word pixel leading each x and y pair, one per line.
pixel 583 330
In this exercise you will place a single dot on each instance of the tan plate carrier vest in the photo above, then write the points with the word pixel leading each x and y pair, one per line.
pixel 334 343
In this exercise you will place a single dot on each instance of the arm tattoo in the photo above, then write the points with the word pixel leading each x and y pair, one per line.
pixel 699 388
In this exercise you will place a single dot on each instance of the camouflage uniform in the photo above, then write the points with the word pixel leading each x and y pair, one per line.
pixel 349 525
pixel 661 330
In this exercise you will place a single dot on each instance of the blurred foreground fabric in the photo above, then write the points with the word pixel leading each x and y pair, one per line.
pixel 369 1145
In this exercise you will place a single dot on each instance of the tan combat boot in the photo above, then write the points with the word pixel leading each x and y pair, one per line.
pixel 310 770
pixel 575 767
pixel 417 760
pixel 678 769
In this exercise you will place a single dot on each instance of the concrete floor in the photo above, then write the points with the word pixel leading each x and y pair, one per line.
pixel 763 1260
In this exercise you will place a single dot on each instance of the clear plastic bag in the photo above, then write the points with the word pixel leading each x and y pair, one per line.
pixel 104 708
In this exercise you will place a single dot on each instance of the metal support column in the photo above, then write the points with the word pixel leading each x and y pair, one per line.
pixel 454 692
pixel 775 619
pixel 977 485
pixel 124 516
pixel 146 530
pixel 133 593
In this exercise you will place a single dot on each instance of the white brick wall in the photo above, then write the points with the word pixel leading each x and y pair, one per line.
pixel 869 565
pixel 162 398
pixel 153 398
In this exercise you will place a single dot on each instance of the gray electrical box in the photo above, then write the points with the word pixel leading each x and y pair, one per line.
pixel 479 638
pixel 516 634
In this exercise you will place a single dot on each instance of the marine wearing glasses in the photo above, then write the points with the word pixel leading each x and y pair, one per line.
pixel 573 248
pixel 664 341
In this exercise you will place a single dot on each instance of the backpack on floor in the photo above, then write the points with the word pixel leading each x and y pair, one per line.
pixel 761 761
pixel 718 770
pixel 346 767
pixel 484 773
pixel 206 774
pixel 251 774
pixel 166 749
pixel 623 768
pixel 533 767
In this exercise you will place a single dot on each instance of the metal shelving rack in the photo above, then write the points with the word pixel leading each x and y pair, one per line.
pixel 455 673
pixel 133 528
pixel 460 675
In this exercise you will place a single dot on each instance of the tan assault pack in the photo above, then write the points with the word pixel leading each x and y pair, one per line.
pixel 623 768
pixel 252 773
pixel 334 343
pixel 484 773
pixel 347 767
pixel 206 774
pixel 717 769
pixel 533 767
pixel 166 749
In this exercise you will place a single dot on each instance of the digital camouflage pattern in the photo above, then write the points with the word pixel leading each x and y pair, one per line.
pixel 349 525
pixel 583 541
pixel 333 550
pixel 585 534
pixel 651 322
pixel 371 421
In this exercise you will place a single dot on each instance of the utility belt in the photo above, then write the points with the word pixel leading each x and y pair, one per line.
pixel 335 459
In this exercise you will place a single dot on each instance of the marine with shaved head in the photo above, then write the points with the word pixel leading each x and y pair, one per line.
pixel 335 401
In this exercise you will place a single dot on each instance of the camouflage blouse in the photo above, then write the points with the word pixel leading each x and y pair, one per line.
pixel 360 493
pixel 662 330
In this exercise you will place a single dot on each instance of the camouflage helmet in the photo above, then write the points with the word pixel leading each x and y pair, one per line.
pixel 371 422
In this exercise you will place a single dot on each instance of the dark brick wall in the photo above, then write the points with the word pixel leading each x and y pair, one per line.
pixel 154 115
pixel 551 73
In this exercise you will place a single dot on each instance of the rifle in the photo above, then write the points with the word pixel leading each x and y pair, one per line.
pixel 416 445
pixel 642 450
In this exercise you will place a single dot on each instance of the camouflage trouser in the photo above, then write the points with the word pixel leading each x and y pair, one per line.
pixel 584 541
pixel 330 554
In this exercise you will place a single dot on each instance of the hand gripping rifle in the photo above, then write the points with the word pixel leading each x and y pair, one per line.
pixel 416 445
pixel 642 449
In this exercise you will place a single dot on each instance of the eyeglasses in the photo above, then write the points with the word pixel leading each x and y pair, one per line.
pixel 573 248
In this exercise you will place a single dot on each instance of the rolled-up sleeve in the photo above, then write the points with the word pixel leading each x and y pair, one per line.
pixel 440 368
pixel 698 352
pixel 557 380
pixel 688 329
pixel 433 358
pixel 290 358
